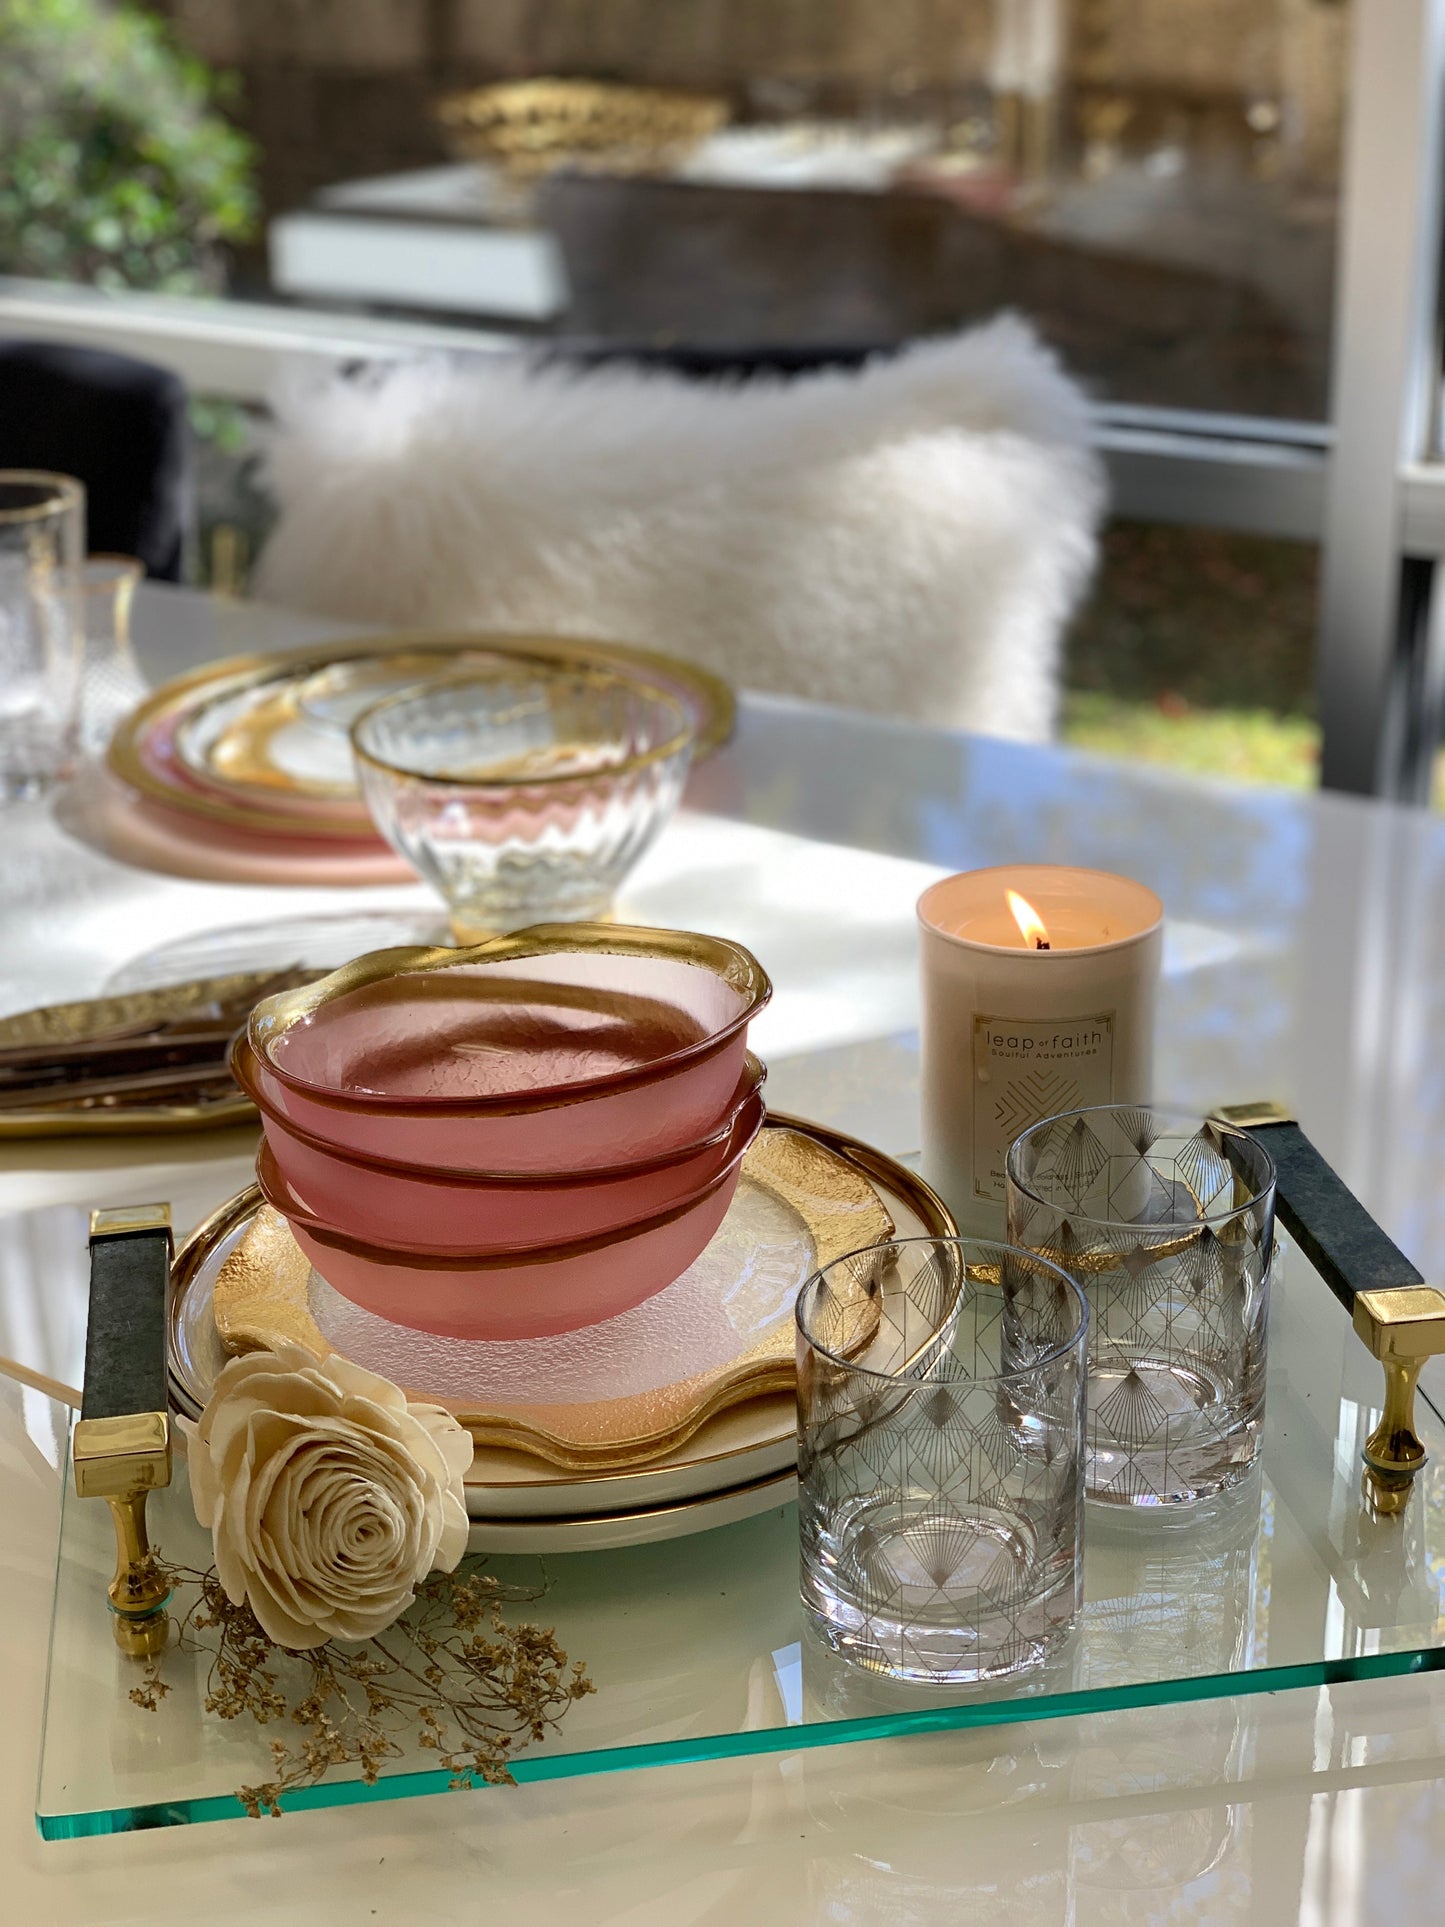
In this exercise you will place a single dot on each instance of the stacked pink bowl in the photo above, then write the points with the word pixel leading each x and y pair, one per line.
pixel 520 1138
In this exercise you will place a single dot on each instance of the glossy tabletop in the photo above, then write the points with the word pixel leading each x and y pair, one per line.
pixel 1304 951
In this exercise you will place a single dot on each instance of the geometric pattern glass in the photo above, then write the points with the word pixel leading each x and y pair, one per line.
pixel 1167 1223
pixel 940 1457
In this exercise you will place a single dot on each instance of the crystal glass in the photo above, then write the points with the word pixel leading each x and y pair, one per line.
pixel 940 1457
pixel 42 539
pixel 524 792
pixel 111 683
pixel 1167 1221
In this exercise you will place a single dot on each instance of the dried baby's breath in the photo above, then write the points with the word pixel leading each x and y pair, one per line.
pixel 452 1675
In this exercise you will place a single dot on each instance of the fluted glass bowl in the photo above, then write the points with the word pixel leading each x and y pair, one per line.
pixel 523 792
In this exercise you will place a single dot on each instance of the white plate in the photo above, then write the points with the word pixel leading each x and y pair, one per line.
pixel 757 1439
pixel 738 1463
pixel 644 1528
pixel 749 1442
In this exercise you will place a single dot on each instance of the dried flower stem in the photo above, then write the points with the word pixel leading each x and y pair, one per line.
pixel 452 1673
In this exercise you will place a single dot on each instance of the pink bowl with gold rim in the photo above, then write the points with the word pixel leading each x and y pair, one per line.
pixel 529 1294
pixel 479 1211
pixel 567 1047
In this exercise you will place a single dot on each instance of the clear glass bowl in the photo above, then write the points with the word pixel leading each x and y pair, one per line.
pixel 523 792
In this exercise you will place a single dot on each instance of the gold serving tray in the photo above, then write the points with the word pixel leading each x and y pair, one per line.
pixel 276 679
pixel 839 1188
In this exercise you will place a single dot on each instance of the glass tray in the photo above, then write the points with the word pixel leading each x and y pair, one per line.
pixel 697 1647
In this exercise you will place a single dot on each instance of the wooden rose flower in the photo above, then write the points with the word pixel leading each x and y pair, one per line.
pixel 329 1498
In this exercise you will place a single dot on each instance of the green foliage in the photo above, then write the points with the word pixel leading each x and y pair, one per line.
pixel 115 167
pixel 1242 745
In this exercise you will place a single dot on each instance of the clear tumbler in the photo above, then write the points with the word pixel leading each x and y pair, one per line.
pixel 42 539
pixel 1167 1221
pixel 940 1457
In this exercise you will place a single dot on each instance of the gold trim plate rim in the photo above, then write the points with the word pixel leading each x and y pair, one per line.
pixel 889 1178
pixel 176 698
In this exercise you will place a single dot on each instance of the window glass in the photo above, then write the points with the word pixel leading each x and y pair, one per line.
pixel 1155 181
pixel 1196 649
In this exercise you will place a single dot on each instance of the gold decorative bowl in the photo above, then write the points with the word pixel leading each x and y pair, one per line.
pixel 531 127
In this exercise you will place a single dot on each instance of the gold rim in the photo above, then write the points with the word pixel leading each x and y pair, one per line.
pixel 174 700
pixel 68 494
pixel 754 1077
pixel 915 1191
pixel 453 779
pixel 892 1181
pixel 737 968
pixel 276 1190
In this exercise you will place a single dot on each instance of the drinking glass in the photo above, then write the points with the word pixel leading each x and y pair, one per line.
pixel 1167 1221
pixel 42 538
pixel 523 792
pixel 111 684
pixel 940 1457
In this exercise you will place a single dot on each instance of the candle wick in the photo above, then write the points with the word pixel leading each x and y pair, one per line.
pixel 1042 943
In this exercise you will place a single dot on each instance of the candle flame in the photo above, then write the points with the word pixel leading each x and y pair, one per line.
pixel 1032 927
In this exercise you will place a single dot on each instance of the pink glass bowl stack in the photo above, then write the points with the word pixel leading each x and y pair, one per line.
pixel 520 1138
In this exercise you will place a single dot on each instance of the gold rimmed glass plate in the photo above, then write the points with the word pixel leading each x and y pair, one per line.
pixel 65 1114
pixel 259 742
pixel 687 1396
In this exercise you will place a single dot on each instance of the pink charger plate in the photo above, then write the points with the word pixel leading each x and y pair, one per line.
pixel 134 830
pixel 159 751
pixel 392 1205
pixel 522 1295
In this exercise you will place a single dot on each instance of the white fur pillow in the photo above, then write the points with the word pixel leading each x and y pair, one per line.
pixel 909 539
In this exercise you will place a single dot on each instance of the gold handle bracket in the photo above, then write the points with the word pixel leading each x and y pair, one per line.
pixel 1402 1328
pixel 123 1460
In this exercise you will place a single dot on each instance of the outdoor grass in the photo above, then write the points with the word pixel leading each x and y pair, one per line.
pixel 1243 745
pixel 1196 651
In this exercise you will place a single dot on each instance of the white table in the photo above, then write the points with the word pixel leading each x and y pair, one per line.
pixel 1304 959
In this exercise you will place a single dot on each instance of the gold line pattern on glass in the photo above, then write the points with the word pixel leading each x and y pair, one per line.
pixel 940 1458
pixel 1167 1222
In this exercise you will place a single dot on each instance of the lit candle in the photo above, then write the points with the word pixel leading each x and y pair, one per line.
pixel 1038 997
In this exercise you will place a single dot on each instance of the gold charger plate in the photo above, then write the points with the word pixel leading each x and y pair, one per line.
pixel 89 1017
pixel 249 787
pixel 708 1429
